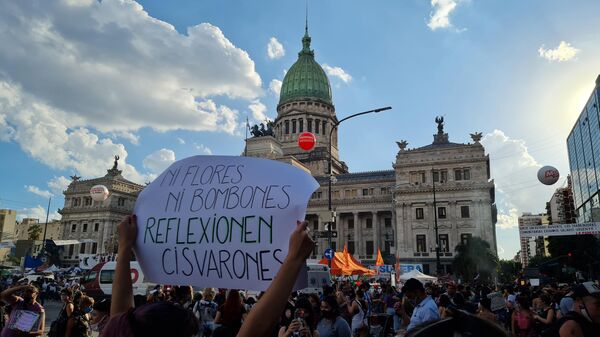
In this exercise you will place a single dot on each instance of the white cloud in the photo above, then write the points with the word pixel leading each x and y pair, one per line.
pixel 440 14
pixel 158 161
pixel 109 66
pixel 274 86
pixel 58 184
pixel 258 111
pixel 37 191
pixel 514 171
pixel 181 141
pixel 37 212
pixel 337 72
pixel 275 49
pixel 564 52
pixel 203 149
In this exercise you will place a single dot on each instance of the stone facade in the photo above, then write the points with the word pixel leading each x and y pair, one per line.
pixel 392 209
pixel 92 222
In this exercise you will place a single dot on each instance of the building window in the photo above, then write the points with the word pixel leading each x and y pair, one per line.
pixel 293 126
pixel 87 201
pixel 388 222
pixel 351 247
pixel 441 212
pixel 350 223
pixel 417 177
pixel 317 124
pixel 309 125
pixel 421 243
pixel 84 227
pixel 287 127
pixel 82 248
pixel 444 244
pixel 336 194
pixel 462 174
pixel 316 225
pixel 440 176
pixel 465 212
pixel 73 228
pixel 301 125
pixel 96 227
pixel 464 238
pixel 365 191
pixel 324 124
pixel 369 223
pixel 419 213
pixel 71 248
pixel 121 202
pixel 94 247
pixel 369 246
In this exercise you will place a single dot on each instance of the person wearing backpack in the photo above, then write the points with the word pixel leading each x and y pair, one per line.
pixel 206 310
pixel 522 318
pixel 358 310
pixel 584 320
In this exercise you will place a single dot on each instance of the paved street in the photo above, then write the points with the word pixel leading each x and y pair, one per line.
pixel 52 309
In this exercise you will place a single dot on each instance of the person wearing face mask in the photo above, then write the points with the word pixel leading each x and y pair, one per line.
pixel 20 304
pixel 425 309
pixel 584 320
pixel 99 316
pixel 78 324
pixel 332 324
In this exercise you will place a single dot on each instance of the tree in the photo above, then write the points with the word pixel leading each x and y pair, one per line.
pixel 34 231
pixel 579 251
pixel 538 260
pixel 474 258
pixel 508 271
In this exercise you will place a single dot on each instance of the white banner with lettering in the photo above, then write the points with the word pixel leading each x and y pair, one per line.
pixel 560 230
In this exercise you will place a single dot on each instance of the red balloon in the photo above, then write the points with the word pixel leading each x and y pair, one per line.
pixel 307 141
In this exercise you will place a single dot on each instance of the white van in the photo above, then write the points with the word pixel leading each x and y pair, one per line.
pixel 318 277
pixel 97 282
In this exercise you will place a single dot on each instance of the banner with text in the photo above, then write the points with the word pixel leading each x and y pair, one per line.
pixel 220 221
pixel 560 230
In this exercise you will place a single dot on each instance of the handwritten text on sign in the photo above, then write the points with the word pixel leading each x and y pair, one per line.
pixel 560 230
pixel 218 221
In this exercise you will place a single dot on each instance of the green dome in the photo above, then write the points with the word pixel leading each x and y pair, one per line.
pixel 305 80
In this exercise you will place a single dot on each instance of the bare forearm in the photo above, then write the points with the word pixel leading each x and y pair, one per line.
pixel 7 295
pixel 265 313
pixel 122 293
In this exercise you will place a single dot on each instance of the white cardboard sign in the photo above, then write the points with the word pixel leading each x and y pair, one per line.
pixel 220 221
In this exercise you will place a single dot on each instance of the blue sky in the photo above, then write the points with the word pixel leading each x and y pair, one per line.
pixel 155 81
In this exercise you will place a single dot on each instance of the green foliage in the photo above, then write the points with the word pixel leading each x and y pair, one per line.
pixel 15 261
pixel 537 260
pixel 35 232
pixel 475 257
pixel 584 249
pixel 508 271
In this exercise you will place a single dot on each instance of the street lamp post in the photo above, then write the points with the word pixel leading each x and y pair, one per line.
pixel 330 172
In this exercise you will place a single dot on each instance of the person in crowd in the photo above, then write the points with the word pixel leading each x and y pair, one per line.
pixel 425 309
pixel 444 306
pixel 150 320
pixel 584 320
pixel 221 296
pixel 58 327
pixel 206 311
pixel 522 318
pixel 332 324
pixel 183 295
pixel 78 324
pixel 358 311
pixel 99 315
pixel 231 314
pixel 27 301
pixel 303 323
pixel 315 303
pixel 364 287
pixel 565 304
pixel 485 310
pixel 390 299
pixel 546 314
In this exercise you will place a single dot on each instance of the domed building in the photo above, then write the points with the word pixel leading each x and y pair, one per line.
pixel 394 210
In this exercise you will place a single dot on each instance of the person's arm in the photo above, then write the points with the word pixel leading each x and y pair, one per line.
pixel 265 313
pixel 570 329
pixel 69 309
pixel 512 323
pixel 122 291
pixel 40 331
pixel 8 295
pixel 549 318
pixel 218 318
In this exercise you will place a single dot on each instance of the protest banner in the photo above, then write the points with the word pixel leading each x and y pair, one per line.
pixel 497 301
pixel 560 229
pixel 220 221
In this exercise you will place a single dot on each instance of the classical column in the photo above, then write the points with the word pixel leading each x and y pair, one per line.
pixel 356 234
pixel 376 233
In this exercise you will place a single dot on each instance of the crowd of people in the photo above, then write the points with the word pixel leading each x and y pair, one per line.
pixel 347 308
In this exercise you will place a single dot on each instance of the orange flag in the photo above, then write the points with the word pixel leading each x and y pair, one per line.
pixel 379 261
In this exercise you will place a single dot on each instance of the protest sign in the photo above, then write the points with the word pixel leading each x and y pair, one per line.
pixel 560 229
pixel 24 320
pixel 220 221
pixel 497 301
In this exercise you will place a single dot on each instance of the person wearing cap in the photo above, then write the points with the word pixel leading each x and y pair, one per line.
pixel 584 320
pixel 425 310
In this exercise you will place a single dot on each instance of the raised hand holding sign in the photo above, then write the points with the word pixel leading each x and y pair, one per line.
pixel 219 221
